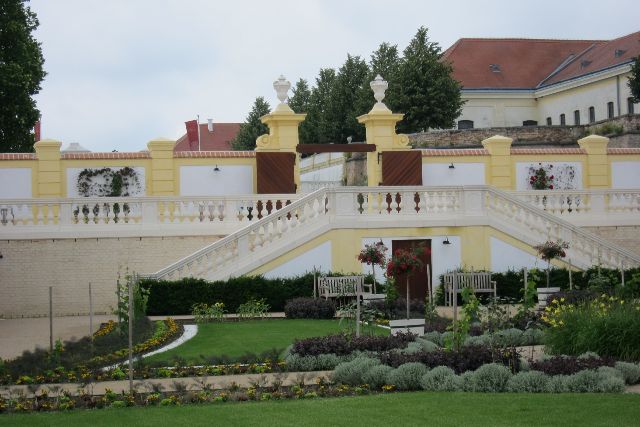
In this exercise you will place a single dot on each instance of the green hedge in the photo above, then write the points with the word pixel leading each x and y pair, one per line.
pixel 177 297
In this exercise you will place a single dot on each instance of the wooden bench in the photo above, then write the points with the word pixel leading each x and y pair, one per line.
pixel 345 286
pixel 479 282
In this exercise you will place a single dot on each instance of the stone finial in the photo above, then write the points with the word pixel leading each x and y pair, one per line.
pixel 379 86
pixel 282 86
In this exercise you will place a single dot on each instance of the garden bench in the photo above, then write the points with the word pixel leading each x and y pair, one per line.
pixel 479 282
pixel 344 286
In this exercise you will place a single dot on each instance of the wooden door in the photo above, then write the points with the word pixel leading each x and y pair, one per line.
pixel 275 173
pixel 418 280
pixel 402 167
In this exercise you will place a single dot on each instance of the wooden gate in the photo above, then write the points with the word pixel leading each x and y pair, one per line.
pixel 402 167
pixel 275 173
pixel 418 281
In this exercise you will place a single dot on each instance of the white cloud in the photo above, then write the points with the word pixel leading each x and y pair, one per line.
pixel 122 72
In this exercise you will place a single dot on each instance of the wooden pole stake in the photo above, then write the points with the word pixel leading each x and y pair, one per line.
pixel 358 290
pixel 90 313
pixel 526 284
pixel 51 318
pixel 570 276
pixel 129 282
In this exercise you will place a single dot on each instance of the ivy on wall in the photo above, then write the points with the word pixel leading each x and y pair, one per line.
pixel 107 182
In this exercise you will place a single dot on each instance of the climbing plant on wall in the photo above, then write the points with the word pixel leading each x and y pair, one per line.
pixel 107 182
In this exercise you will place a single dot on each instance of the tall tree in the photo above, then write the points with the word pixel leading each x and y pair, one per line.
pixel 342 110
pixel 384 61
pixel 300 102
pixel 634 80
pixel 252 128
pixel 21 73
pixel 321 128
pixel 428 95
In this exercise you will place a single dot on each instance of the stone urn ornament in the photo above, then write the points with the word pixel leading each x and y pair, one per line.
pixel 379 87
pixel 282 86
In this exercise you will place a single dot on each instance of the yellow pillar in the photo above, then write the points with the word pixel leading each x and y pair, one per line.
pixel 49 169
pixel 501 171
pixel 380 124
pixel 162 171
pixel 283 125
pixel 597 168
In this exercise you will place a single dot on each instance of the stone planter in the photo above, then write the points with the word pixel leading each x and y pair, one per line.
pixel 543 293
pixel 415 326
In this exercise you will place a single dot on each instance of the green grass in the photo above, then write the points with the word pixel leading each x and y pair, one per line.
pixel 235 339
pixel 398 409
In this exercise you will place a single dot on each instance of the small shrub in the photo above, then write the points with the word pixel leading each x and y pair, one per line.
pixel 528 382
pixel 309 308
pixel 480 340
pixel 557 384
pixel 567 365
pixel 630 372
pixel 467 381
pixel 352 373
pixel 253 308
pixel 588 355
pixel 587 381
pixel 296 363
pixel 327 362
pixel 441 378
pixel 426 345
pixel 433 336
pixel 376 376
pixel 508 337
pixel 407 376
pixel 347 344
pixel 533 336
pixel 607 371
pixel 491 377
pixel 609 384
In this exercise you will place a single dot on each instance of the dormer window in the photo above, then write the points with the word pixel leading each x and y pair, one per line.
pixel 494 68
pixel 585 63
pixel 619 52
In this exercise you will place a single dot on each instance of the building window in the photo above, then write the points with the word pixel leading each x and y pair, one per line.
pixel 549 121
pixel 592 114
pixel 563 120
pixel 465 124
pixel 576 117
pixel 629 105
pixel 530 123
pixel 610 110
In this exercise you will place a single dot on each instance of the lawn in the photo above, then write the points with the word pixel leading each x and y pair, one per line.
pixel 405 409
pixel 235 339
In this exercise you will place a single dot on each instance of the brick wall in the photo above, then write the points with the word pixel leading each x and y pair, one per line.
pixel 29 267
pixel 543 135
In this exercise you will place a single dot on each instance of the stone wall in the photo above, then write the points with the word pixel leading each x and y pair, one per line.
pixel 29 267
pixel 356 169
pixel 627 237
pixel 532 135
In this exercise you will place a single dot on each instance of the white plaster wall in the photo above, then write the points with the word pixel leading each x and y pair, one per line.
pixel 515 115
pixel 72 180
pixel 204 181
pixel 316 159
pixel 522 174
pixel 444 258
pixel 462 174
pixel 507 257
pixel 332 173
pixel 318 257
pixel 625 175
pixel 596 94
pixel 15 183
pixel 479 112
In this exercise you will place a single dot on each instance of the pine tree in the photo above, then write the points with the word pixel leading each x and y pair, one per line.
pixel 300 102
pixel 320 128
pixel 20 75
pixel 634 80
pixel 427 94
pixel 252 128
pixel 384 62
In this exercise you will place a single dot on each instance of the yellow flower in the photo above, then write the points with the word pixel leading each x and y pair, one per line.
pixel 562 299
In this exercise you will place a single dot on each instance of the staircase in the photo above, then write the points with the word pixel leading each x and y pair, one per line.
pixel 391 207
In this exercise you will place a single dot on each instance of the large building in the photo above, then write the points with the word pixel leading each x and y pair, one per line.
pixel 520 82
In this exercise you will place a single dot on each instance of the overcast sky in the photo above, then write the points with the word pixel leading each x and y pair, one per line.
pixel 121 72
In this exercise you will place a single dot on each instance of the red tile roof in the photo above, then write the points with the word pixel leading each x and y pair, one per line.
pixel 115 155
pixel 629 150
pixel 573 150
pixel 216 154
pixel 17 156
pixel 454 152
pixel 218 140
pixel 600 57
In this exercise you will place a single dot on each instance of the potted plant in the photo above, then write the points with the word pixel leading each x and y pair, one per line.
pixel 404 263
pixel 548 251
pixel 373 254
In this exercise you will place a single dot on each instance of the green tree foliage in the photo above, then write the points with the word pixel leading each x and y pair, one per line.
pixel 252 128
pixel 385 62
pixel 427 94
pixel 321 128
pixel 300 102
pixel 634 80
pixel 342 109
pixel 20 75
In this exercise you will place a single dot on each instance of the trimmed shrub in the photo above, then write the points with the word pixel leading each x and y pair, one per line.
pixel 433 336
pixel 587 381
pixel 491 377
pixel 607 371
pixel 630 372
pixel 528 382
pixel 567 365
pixel 480 340
pixel 557 384
pixel 177 297
pixel 376 377
pixel 352 373
pixel 426 345
pixel 467 381
pixel 533 336
pixel 507 338
pixel 611 385
pixel 441 378
pixel 347 344
pixel 297 363
pixel 309 308
pixel 407 376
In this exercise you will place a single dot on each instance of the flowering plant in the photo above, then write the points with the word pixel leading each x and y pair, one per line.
pixel 373 254
pixel 550 250
pixel 404 262
pixel 540 179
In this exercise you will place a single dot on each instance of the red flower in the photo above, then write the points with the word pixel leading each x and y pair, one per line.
pixel 551 187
